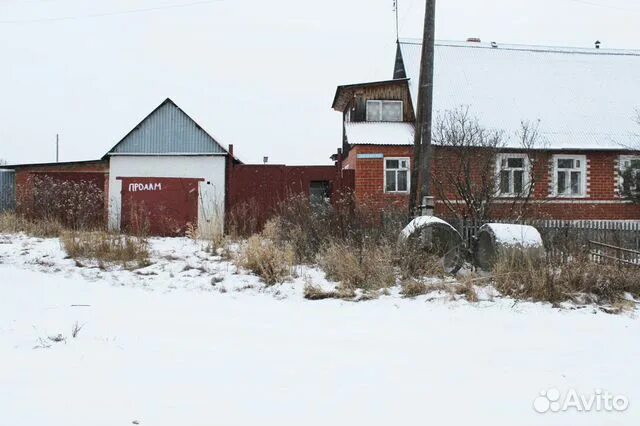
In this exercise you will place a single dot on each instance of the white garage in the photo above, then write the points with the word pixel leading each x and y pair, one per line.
pixel 166 176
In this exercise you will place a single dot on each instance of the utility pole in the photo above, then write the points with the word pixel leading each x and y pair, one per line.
pixel 421 201
pixel 57 148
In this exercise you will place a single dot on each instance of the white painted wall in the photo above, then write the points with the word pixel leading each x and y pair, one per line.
pixel 209 168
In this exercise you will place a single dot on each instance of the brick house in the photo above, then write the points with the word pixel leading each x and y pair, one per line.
pixel 584 103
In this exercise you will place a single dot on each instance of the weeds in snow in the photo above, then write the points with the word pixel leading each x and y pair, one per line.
pixel 266 259
pixel 107 247
pixel 76 329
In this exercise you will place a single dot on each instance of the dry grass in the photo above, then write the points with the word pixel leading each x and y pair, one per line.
pixel 266 259
pixel 11 223
pixel 312 292
pixel 539 280
pixel 368 267
pixel 413 288
pixel 106 248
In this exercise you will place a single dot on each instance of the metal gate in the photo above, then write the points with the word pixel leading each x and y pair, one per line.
pixel 7 191
pixel 159 206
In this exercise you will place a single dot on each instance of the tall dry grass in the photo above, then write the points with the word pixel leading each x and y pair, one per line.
pixel 264 257
pixel 576 278
pixel 11 223
pixel 107 248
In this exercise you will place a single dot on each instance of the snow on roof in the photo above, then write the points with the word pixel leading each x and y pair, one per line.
pixel 379 133
pixel 584 98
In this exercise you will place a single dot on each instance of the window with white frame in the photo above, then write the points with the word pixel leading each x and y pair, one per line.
pixel 396 175
pixel 570 175
pixel 513 174
pixel 384 110
pixel 629 175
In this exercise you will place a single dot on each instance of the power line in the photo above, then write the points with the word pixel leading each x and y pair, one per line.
pixel 605 6
pixel 107 14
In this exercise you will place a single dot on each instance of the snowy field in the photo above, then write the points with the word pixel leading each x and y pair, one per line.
pixel 163 346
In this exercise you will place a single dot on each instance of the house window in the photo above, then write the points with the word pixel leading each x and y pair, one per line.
pixel 570 175
pixel 513 175
pixel 396 175
pixel 384 110
pixel 629 175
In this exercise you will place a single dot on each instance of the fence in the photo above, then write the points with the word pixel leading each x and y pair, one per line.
pixel 605 253
pixel 7 190
pixel 561 236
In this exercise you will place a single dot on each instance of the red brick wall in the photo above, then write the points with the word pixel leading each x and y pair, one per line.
pixel 602 202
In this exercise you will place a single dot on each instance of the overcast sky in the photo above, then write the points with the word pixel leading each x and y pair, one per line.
pixel 254 73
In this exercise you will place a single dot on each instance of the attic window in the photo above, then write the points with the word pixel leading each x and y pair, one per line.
pixel 384 110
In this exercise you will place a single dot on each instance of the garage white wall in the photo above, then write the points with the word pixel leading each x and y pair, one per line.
pixel 209 168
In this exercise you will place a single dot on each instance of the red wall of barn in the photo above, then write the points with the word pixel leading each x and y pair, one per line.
pixel 25 180
pixel 602 203
pixel 255 191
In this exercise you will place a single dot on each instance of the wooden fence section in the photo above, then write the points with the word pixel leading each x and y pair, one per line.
pixel 559 235
pixel 605 253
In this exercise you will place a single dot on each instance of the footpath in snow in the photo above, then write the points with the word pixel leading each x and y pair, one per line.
pixel 163 346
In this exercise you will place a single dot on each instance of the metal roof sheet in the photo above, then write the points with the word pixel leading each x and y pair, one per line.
pixel 168 131
pixel 584 98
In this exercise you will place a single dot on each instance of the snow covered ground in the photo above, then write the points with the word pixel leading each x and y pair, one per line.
pixel 163 346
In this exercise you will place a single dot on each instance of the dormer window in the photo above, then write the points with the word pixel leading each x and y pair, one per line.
pixel 384 110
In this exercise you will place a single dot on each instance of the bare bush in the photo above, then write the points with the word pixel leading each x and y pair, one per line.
pixel 76 203
pixel 367 267
pixel 107 247
pixel 266 259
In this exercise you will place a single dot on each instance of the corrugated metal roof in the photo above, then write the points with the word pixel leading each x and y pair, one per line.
pixel 168 130
pixel 379 133
pixel 584 98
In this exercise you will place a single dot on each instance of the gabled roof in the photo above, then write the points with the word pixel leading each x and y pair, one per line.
pixel 584 98
pixel 167 130
pixel 379 133
pixel 346 92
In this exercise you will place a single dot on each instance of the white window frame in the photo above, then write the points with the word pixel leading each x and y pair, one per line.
pixel 582 169
pixel 408 170
pixel 381 103
pixel 623 167
pixel 526 183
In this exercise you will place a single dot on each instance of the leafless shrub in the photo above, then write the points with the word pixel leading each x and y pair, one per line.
pixel 76 203
pixel 367 267
pixel 466 165
pixel 413 288
pixel 107 247
pixel 266 259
